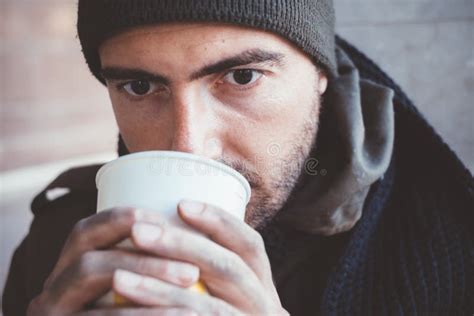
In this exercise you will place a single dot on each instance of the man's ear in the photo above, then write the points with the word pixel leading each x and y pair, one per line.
pixel 322 82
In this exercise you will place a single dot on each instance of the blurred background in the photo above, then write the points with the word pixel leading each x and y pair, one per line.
pixel 54 114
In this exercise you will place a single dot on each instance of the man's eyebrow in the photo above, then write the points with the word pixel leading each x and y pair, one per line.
pixel 119 73
pixel 252 56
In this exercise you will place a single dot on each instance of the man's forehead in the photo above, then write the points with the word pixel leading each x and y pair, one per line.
pixel 208 29
pixel 197 38
pixel 177 28
pixel 189 51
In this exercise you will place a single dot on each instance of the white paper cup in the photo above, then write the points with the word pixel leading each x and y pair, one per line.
pixel 159 180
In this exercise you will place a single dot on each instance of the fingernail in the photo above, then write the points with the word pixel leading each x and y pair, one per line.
pixel 127 279
pixel 139 215
pixel 146 234
pixel 192 207
pixel 187 275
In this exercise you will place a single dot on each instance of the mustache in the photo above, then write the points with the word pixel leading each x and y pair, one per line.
pixel 248 172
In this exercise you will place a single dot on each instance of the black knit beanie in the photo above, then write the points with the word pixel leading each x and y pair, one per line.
pixel 307 23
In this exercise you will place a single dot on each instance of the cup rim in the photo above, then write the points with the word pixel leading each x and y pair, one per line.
pixel 179 155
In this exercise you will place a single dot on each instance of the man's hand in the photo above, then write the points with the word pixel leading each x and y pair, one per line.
pixel 232 261
pixel 86 266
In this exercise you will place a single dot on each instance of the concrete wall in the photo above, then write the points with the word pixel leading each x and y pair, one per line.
pixel 427 46
pixel 52 110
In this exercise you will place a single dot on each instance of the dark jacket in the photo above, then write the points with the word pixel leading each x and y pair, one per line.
pixel 411 253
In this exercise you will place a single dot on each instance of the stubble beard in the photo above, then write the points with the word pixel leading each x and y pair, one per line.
pixel 272 188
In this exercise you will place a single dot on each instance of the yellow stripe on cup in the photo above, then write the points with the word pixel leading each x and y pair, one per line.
pixel 121 301
pixel 199 287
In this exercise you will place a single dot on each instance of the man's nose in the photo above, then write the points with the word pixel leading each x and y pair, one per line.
pixel 194 125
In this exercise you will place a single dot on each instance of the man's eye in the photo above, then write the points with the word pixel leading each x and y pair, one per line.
pixel 140 87
pixel 242 77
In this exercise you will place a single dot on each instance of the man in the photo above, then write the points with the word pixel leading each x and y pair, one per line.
pixel 357 206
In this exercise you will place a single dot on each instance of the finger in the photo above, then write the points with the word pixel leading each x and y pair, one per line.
pixel 100 231
pixel 157 311
pixel 230 232
pixel 91 276
pixel 148 291
pixel 224 272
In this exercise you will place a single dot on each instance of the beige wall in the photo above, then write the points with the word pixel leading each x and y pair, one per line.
pixel 51 108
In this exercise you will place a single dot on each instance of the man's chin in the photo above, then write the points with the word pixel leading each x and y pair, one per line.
pixel 260 211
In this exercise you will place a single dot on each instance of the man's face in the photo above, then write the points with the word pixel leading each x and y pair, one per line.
pixel 244 97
